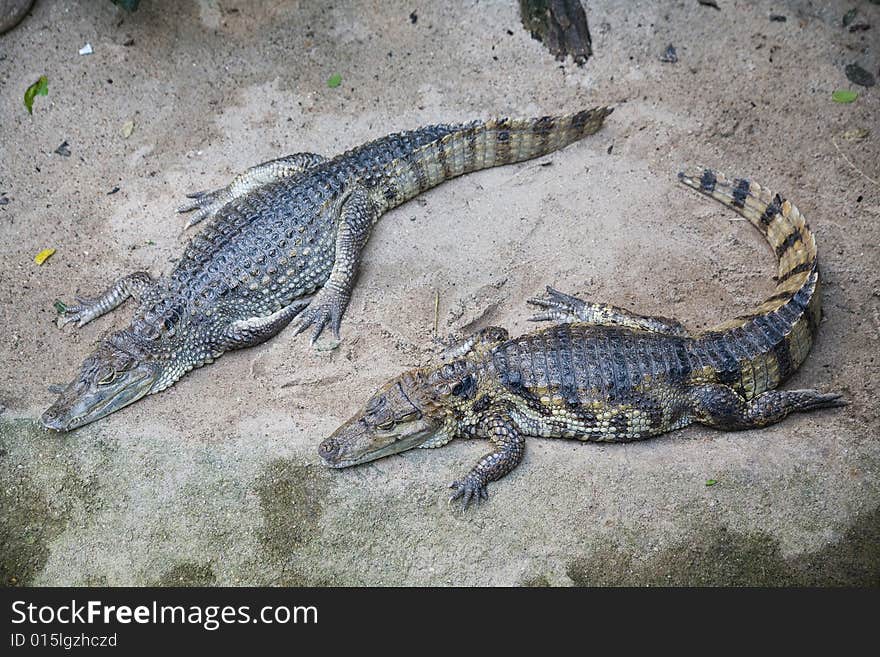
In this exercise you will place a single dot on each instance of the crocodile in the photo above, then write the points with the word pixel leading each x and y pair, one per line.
pixel 604 373
pixel 282 247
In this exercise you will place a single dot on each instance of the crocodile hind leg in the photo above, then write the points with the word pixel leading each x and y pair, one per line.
pixel 560 307
pixel 722 407
pixel 356 218
pixel 207 203
pixel 134 285
pixel 509 446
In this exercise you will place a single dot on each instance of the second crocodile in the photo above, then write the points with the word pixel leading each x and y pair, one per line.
pixel 606 374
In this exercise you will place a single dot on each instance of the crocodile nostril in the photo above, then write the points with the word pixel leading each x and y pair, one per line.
pixel 328 449
pixel 51 420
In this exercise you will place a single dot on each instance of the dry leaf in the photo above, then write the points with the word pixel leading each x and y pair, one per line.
pixel 43 255
pixel 856 134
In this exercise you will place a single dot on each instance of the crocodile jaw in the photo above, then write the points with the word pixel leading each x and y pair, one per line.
pixel 355 442
pixel 84 400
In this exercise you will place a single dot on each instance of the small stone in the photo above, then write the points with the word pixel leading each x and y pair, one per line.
pixel 669 56
pixel 856 134
pixel 86 49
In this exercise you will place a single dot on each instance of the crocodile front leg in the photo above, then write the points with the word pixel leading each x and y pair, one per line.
pixel 134 285
pixel 326 309
pixel 207 203
pixel 477 343
pixel 509 446
pixel 253 331
pixel 561 307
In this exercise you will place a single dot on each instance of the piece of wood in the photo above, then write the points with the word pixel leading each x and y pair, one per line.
pixel 561 25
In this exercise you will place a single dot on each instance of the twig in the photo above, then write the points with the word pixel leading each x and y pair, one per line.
pixel 436 310
pixel 850 162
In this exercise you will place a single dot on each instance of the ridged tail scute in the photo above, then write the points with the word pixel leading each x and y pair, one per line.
pixel 769 343
pixel 484 144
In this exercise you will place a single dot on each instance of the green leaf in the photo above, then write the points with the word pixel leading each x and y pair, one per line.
pixel 334 80
pixel 60 306
pixel 844 96
pixel 38 88
pixel 711 482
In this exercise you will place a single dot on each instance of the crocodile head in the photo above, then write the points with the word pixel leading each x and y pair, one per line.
pixel 402 415
pixel 114 376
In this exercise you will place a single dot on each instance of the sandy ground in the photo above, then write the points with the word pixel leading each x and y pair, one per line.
pixel 217 479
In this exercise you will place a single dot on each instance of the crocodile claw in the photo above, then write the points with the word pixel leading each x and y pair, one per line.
pixel 470 489
pixel 557 305
pixel 206 203
pixel 325 310
pixel 82 313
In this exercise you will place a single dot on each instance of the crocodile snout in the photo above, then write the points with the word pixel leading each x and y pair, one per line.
pixel 328 450
pixel 54 420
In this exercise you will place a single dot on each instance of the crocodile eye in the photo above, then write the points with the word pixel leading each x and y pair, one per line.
pixel 387 424
pixel 409 416
pixel 106 377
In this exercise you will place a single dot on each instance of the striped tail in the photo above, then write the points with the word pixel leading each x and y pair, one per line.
pixel 757 351
pixel 480 145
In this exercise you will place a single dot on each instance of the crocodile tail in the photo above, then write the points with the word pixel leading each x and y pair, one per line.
pixel 483 144
pixel 769 343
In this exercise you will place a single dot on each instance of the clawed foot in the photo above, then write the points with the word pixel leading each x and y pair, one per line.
pixel 207 203
pixel 468 489
pixel 557 306
pixel 82 313
pixel 447 346
pixel 481 341
pixel 326 309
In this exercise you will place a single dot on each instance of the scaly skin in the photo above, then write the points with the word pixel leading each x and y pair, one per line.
pixel 283 245
pixel 606 374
